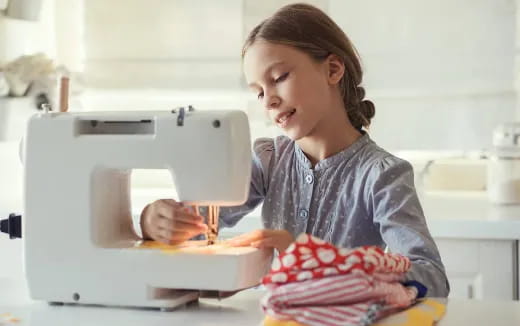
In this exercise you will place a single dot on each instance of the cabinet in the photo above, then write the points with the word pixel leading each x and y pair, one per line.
pixel 481 269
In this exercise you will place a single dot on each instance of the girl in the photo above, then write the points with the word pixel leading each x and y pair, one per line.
pixel 326 176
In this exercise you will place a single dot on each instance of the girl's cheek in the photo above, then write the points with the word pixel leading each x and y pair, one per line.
pixel 290 89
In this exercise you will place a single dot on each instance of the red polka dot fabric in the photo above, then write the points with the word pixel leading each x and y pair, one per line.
pixel 311 258
pixel 317 284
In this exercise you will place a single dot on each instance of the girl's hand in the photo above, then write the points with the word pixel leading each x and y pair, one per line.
pixel 279 239
pixel 170 222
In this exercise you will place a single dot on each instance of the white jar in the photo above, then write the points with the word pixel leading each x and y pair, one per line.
pixel 503 181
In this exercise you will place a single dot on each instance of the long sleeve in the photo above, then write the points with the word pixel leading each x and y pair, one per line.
pixel 263 150
pixel 398 214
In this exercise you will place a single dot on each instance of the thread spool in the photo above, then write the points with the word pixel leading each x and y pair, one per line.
pixel 64 94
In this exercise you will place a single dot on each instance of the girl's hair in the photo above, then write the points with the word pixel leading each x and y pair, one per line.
pixel 309 29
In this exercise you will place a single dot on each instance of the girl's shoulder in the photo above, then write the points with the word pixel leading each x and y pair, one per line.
pixel 269 148
pixel 378 163
pixel 267 153
pixel 378 157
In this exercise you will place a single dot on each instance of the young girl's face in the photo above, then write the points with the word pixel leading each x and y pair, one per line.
pixel 293 88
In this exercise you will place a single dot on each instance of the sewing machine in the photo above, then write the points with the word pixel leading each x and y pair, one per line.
pixel 79 241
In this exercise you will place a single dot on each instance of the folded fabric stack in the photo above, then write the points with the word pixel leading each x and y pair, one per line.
pixel 315 283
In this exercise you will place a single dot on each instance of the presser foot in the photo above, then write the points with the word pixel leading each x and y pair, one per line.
pixel 211 238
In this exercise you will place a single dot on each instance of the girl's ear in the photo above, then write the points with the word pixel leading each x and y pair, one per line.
pixel 335 69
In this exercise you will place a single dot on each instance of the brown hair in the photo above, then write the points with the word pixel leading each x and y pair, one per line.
pixel 310 30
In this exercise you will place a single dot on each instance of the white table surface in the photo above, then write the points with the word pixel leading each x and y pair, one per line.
pixel 241 309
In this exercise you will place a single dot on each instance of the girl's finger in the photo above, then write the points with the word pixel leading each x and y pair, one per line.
pixel 163 240
pixel 180 225
pixel 174 238
pixel 239 242
pixel 181 215
pixel 178 236
pixel 250 236
pixel 246 241
pixel 264 243
pixel 189 217
pixel 164 223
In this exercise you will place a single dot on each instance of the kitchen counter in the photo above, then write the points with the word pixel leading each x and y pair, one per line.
pixel 469 215
pixel 240 309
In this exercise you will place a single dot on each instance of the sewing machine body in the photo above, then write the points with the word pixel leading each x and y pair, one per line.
pixel 79 240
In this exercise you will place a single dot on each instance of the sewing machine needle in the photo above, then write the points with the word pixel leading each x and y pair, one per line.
pixel 213 213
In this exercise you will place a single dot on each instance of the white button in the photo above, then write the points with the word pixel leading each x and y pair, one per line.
pixel 309 178
pixel 303 213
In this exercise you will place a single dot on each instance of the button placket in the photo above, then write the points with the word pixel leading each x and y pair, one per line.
pixel 309 178
pixel 306 199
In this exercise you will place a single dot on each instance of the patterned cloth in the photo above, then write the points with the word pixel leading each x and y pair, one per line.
pixel 315 283
pixel 426 312
pixel 312 258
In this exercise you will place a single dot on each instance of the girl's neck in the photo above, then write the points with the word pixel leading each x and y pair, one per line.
pixel 331 135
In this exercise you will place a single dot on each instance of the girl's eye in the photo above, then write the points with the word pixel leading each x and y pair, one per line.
pixel 260 95
pixel 281 78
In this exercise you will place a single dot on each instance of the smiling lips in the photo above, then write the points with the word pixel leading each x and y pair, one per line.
pixel 282 119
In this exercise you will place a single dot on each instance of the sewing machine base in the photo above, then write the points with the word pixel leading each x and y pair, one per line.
pixel 150 276
pixel 171 300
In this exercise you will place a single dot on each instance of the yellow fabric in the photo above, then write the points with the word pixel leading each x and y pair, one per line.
pixel 8 318
pixel 269 321
pixel 424 313
pixel 192 246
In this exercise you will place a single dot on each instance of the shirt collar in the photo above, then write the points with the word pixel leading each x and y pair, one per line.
pixel 335 159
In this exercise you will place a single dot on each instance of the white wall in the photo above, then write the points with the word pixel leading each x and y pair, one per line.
pixel 21 37
pixel 517 57
pixel 163 43
pixel 441 73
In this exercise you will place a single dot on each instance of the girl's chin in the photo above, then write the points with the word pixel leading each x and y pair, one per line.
pixel 294 134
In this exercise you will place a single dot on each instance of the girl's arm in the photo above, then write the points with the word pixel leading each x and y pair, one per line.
pixel 263 150
pixel 400 218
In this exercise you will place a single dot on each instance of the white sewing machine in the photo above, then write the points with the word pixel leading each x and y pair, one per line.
pixel 79 241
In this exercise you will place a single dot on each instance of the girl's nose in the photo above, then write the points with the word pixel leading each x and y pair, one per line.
pixel 273 102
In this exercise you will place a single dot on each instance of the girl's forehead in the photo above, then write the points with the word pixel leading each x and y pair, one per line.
pixel 264 51
pixel 262 56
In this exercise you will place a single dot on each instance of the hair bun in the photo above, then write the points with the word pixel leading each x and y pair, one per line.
pixel 368 109
pixel 359 94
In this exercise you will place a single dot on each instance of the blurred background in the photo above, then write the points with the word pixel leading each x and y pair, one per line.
pixel 442 74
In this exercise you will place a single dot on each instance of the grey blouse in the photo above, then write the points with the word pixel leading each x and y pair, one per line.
pixel 362 195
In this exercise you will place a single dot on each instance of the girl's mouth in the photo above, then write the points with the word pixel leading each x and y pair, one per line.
pixel 283 119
